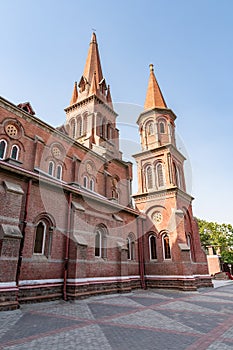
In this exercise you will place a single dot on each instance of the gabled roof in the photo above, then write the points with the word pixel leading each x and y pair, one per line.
pixel 26 106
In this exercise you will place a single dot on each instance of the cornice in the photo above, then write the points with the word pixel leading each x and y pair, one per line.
pixel 49 181
pixel 156 110
pixel 159 149
pixel 173 191
pixel 88 99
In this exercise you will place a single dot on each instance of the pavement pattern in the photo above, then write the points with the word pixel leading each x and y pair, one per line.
pixel 143 319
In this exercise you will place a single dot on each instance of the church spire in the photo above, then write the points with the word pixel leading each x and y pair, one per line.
pixel 74 95
pixel 93 63
pixel 109 97
pixel 93 88
pixel 154 96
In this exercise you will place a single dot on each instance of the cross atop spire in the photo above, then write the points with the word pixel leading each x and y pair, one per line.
pixel 154 96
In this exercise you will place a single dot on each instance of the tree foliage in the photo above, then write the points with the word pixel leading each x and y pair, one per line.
pixel 219 236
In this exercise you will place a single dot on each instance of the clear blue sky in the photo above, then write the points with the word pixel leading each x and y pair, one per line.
pixel 44 46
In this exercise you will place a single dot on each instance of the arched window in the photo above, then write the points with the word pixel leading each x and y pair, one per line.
pixel 131 247
pixel 103 128
pixel 108 130
pixel 152 247
pixel 59 172
pixel 79 127
pixel 149 178
pixel 97 243
pixel 73 129
pixel 51 168
pixel 161 127
pixel 15 152
pixel 92 185
pixel 150 128
pixel 170 129
pixel 85 124
pixel 166 247
pixel 101 242
pixel 39 245
pixel 177 175
pixel 159 175
pixel 85 182
pixel 3 146
pixel 189 244
pixel 99 125
pixel 43 239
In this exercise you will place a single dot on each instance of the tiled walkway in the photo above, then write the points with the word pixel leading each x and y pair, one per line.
pixel 151 319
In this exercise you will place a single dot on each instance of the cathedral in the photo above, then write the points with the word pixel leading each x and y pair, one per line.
pixel 70 226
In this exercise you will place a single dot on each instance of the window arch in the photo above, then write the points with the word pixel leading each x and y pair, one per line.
pixel 3 147
pixel 103 128
pixel 149 177
pixel 109 131
pixel 166 247
pixel 59 172
pixel 79 127
pixel 152 247
pixel 170 130
pixel 150 128
pixel 162 127
pixel 73 129
pixel 51 168
pixel 177 175
pixel 85 124
pixel 159 175
pixel 92 185
pixel 101 242
pixel 43 238
pixel 15 152
pixel 99 125
pixel 39 244
pixel 85 181
pixel 131 247
pixel 189 243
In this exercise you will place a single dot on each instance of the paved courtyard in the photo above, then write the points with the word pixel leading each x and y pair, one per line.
pixel 151 319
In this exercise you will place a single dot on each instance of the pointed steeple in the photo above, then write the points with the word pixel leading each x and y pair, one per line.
pixel 154 96
pixel 109 97
pixel 93 89
pixel 93 62
pixel 74 97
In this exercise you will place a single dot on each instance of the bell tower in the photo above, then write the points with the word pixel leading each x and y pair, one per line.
pixel 90 118
pixel 172 249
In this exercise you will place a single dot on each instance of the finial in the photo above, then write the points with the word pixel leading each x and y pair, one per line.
pixel 151 67
pixel 93 38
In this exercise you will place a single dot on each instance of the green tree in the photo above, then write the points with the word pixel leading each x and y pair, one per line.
pixel 219 236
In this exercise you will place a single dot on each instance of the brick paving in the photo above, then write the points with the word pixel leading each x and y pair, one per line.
pixel 151 319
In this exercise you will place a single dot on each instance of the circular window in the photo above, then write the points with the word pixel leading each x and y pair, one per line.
pixel 11 130
pixel 56 152
pixel 157 217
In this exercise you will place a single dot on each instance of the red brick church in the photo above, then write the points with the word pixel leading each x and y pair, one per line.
pixel 68 228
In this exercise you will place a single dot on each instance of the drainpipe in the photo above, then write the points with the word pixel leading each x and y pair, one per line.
pixel 24 224
pixel 66 259
pixel 140 227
